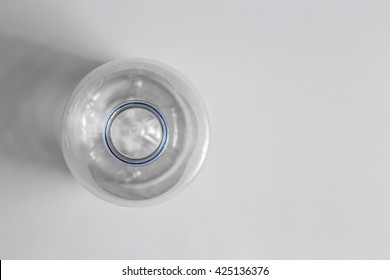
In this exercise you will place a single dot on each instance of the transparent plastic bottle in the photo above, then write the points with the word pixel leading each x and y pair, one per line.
pixel 134 132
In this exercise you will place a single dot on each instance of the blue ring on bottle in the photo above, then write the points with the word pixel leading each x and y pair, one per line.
pixel 136 104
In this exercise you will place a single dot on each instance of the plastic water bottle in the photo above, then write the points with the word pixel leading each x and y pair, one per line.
pixel 134 132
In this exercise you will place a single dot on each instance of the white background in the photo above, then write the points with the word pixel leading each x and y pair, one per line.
pixel 298 95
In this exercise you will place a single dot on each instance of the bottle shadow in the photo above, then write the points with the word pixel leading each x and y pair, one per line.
pixel 35 83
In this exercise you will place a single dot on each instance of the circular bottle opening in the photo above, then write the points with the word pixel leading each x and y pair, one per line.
pixel 136 133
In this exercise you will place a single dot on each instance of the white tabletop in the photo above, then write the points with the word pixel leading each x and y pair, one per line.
pixel 298 96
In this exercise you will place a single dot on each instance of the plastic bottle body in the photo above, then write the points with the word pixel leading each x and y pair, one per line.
pixel 134 132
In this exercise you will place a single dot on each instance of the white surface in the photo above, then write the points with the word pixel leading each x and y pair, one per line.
pixel 298 96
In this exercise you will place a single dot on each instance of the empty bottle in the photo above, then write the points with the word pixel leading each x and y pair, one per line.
pixel 134 132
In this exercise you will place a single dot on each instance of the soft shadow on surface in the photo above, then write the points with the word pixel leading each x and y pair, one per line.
pixel 35 83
